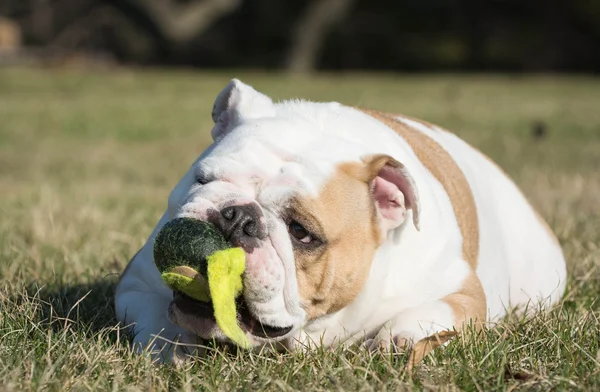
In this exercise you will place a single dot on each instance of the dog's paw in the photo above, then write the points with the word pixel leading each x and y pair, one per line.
pixel 182 355
pixel 163 351
pixel 386 343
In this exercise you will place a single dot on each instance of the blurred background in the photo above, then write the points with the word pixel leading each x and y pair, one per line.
pixel 306 35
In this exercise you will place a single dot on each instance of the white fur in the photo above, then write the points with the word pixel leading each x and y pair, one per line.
pixel 518 261
pixel 266 152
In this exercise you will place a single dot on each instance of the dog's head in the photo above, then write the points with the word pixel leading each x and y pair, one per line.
pixel 309 209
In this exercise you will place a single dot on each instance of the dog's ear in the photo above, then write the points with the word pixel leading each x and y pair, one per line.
pixel 393 190
pixel 238 101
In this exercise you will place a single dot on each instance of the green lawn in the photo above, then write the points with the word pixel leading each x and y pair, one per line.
pixel 87 162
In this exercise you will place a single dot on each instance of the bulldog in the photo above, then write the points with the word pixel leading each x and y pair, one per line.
pixel 359 227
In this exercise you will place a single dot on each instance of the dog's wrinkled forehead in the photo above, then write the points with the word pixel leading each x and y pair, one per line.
pixel 261 139
pixel 274 151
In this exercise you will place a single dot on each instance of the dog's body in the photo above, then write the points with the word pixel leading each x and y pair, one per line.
pixel 372 227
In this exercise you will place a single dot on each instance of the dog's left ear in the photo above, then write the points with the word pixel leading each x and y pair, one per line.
pixel 238 101
pixel 393 190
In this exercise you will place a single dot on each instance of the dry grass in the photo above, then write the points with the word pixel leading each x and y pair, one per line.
pixel 86 165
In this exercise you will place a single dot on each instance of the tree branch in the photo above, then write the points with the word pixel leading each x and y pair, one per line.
pixel 180 23
pixel 310 32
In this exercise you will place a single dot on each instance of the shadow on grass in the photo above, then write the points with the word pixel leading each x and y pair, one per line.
pixel 85 307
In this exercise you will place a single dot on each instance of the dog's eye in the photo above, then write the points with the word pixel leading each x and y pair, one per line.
pixel 202 180
pixel 299 232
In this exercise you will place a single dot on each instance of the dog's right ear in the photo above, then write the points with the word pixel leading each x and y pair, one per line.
pixel 393 190
pixel 238 102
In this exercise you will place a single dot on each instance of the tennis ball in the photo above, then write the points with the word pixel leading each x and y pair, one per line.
pixel 188 281
pixel 225 270
pixel 194 258
pixel 187 242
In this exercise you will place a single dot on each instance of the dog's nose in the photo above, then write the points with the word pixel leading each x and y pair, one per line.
pixel 242 225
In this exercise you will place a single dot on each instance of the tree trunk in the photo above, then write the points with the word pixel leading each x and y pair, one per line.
pixel 311 30
pixel 181 23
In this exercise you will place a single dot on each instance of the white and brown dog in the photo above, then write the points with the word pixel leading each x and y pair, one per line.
pixel 359 226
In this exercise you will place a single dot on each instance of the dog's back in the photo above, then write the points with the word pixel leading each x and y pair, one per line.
pixel 520 262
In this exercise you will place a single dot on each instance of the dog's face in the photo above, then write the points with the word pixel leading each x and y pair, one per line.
pixel 309 217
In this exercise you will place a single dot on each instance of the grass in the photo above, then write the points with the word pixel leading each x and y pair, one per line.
pixel 86 165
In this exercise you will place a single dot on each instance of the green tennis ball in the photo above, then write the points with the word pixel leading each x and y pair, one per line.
pixel 188 281
pixel 187 242
pixel 194 258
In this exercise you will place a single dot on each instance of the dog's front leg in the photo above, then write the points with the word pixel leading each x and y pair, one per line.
pixel 141 303
pixel 420 324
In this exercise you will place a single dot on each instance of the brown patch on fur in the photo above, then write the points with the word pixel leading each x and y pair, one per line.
pixel 429 125
pixel 331 276
pixel 467 306
pixel 469 303
pixel 424 346
pixel 439 162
